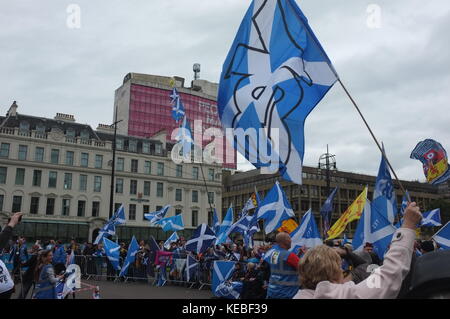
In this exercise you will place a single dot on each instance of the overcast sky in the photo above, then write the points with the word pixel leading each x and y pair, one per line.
pixel 396 67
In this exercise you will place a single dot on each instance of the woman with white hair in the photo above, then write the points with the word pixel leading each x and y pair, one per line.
pixel 321 274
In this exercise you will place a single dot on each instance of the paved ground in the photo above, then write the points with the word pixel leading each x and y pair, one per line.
pixel 132 290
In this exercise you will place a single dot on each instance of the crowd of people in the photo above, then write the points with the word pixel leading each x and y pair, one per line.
pixel 332 270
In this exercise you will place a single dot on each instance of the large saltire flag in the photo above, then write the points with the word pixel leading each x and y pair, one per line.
pixel 431 218
pixel 307 234
pixel 384 197
pixel 442 236
pixel 275 208
pixel 222 271
pixel 201 240
pixel 156 216
pixel 133 248
pixel 112 252
pixel 434 160
pixel 373 227
pixel 173 223
pixel 275 73
pixel 353 212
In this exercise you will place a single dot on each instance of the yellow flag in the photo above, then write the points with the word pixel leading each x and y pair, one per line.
pixel 353 212
pixel 288 226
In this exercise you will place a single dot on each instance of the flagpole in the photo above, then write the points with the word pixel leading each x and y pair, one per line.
pixel 374 138
pixel 206 187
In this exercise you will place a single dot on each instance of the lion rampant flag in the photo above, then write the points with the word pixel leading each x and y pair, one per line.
pixel 353 212
pixel 288 226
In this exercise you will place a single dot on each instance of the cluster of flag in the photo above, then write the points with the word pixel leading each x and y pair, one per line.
pixel 110 227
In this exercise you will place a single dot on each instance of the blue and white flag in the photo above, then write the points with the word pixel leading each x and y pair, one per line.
pixel 275 208
pixel 191 268
pixel 442 237
pixel 173 223
pixel 110 227
pixel 155 217
pixel 119 217
pixel 71 258
pixel 172 239
pixel 327 210
pixel 229 290
pixel 201 240
pixel 133 248
pixel 222 271
pixel 184 138
pixel 373 227
pixel 112 252
pixel 241 226
pixel 177 106
pixel 404 203
pixel 275 73
pixel 307 234
pixel 216 222
pixel 431 218
pixel 225 226
pixel 253 227
pixel 384 197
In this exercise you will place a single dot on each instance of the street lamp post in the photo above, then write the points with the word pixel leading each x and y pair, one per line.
pixel 113 166
pixel 327 161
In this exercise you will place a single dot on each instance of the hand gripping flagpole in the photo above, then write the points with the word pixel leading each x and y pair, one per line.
pixel 374 138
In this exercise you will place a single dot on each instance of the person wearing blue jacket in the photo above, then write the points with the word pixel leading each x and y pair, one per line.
pixel 59 258
pixel 18 256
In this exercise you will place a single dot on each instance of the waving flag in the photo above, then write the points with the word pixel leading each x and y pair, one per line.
pixel 229 290
pixel 133 248
pixel 404 203
pixel 307 234
pixel 327 210
pixel 177 107
pixel 431 218
pixel 216 222
pixel 373 227
pixel 252 228
pixel 202 239
pixel 275 73
pixel 442 236
pixel 191 268
pixel 222 271
pixel 112 252
pixel 173 238
pixel 225 226
pixel 384 197
pixel 275 208
pixel 110 227
pixel 173 223
pixel 155 217
pixel 353 212
pixel 119 217
pixel 184 137
pixel 434 160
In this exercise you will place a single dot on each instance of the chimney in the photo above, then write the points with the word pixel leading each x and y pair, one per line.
pixel 64 117
pixel 12 110
pixel 105 128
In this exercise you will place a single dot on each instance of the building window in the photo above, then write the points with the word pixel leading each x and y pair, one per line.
pixel 194 218
pixel 195 172
pixel 159 189
pixel 39 154
pixel 83 183
pixel 160 169
pixel 195 196
pixel 52 179
pixel 132 212
pixel 134 166
pixel 69 158
pixel 23 149
pixel 146 188
pixel 95 209
pixel 98 161
pixel 20 176
pixel 70 132
pixel 210 197
pixel 84 159
pixel 178 195
pixel 81 211
pixel 65 210
pixel 3 172
pixel 148 167
pixel 119 185
pixel 17 204
pixel 120 164
pixel 146 147
pixel 119 144
pixel 133 187
pixel 67 180
pixel 34 206
pixel 54 158
pixel 4 150
pixel 179 171
pixel 2 198
pixel 210 174
pixel 24 127
pixel 97 184
pixel 50 209
pixel 158 149
pixel 84 135
pixel 145 210
pixel 132 146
